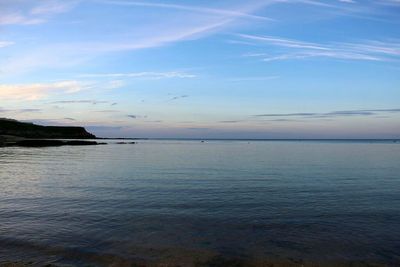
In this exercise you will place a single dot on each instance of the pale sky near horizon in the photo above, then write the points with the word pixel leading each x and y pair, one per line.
pixel 204 69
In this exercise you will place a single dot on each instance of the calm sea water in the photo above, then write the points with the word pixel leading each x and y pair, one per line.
pixel 187 200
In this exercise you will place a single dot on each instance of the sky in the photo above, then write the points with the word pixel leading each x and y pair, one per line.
pixel 204 69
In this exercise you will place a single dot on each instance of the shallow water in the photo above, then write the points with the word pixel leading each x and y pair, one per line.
pixel 185 200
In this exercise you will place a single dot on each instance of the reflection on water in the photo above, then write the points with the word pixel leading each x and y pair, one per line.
pixel 186 200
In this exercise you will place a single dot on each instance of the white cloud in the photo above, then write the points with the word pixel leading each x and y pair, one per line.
pixel 138 32
pixel 115 84
pixel 222 12
pixel 283 42
pixel 347 1
pixel 333 54
pixel 17 18
pixel 5 43
pixel 26 12
pixel 377 47
pixel 53 7
pixel 36 91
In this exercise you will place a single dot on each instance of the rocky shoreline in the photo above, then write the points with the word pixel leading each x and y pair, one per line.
pixel 7 141
pixel 16 133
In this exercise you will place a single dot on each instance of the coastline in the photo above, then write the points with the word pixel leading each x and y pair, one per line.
pixel 8 140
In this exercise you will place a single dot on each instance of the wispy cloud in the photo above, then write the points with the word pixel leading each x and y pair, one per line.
pixel 198 128
pixel 334 55
pixel 283 42
pixel 284 120
pixel 23 110
pixel 108 111
pixel 5 43
pixel 388 2
pixel 348 1
pixel 92 102
pixel 289 49
pixel 114 84
pixel 339 113
pixel 383 110
pixel 16 18
pixel 376 47
pixel 53 7
pixel 36 91
pixel 166 29
pixel 24 12
pixel 255 78
pixel 144 75
pixel 231 121
pixel 197 9
pixel 285 114
pixel 156 121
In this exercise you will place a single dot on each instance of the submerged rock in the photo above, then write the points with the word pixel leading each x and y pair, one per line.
pixel 80 143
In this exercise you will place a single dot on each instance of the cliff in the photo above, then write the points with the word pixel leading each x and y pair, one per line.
pixel 30 130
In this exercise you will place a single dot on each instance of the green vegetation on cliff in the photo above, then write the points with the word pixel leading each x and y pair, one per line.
pixel 30 130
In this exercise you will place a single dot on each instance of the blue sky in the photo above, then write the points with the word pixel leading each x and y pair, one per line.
pixel 207 69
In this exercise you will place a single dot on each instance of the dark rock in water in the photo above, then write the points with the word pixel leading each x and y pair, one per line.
pixel 121 143
pixel 30 130
pixel 46 142
pixel 80 143
pixel 2 141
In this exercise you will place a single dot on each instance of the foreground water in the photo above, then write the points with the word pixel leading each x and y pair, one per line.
pixel 188 202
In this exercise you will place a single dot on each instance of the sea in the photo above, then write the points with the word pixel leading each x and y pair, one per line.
pixel 201 203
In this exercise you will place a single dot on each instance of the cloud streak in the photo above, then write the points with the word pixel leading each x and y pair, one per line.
pixel 290 49
pixel 5 43
pixel 53 7
pixel 144 75
pixel 197 9
pixel 37 91
pixel 283 42
pixel 26 12
pixel 23 110
pixel 140 34
pixel 92 102
pixel 340 113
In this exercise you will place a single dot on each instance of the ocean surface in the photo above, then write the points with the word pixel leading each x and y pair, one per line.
pixel 191 202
